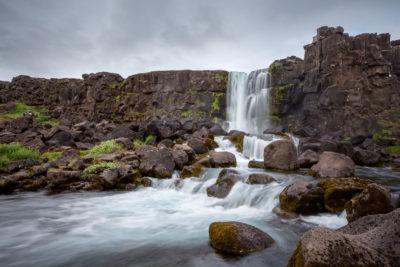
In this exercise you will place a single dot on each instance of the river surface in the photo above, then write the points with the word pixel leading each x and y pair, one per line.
pixel 165 225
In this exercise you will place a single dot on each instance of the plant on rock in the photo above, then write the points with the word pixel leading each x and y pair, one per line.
pixel 105 147
pixel 97 168
pixel 12 152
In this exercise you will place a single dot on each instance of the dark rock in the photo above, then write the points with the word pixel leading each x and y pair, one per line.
pixel 157 163
pixel 302 197
pixel 216 129
pixel 226 180
pixel 308 158
pixel 281 155
pixel 366 157
pixel 180 158
pixel 189 151
pixel 374 199
pixel 197 145
pixel 206 162
pixel 167 143
pixel 278 129
pixel 191 171
pixel 331 164
pixel 60 179
pixel 235 238
pixel 21 164
pixel 126 142
pixel 260 178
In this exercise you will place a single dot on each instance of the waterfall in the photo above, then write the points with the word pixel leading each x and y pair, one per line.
pixel 248 101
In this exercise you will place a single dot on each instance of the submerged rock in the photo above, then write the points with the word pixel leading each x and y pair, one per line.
pixel 191 171
pixel 334 165
pixel 238 239
pixel 281 155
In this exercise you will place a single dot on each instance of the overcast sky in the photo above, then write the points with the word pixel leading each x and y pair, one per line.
pixel 51 38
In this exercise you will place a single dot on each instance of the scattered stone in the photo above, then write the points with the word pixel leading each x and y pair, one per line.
pixel 366 157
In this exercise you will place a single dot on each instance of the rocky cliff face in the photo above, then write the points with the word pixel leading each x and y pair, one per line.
pixel 346 88
pixel 140 97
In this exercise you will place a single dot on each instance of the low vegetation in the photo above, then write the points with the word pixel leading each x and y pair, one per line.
pixel 105 147
pixel 19 110
pixel 52 155
pixel 12 152
pixel 97 168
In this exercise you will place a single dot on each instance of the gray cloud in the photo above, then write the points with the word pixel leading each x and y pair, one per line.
pixel 47 38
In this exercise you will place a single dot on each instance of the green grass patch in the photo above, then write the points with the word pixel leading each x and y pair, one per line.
pixel 393 149
pixel 219 76
pixel 215 103
pixel 19 110
pixel 105 147
pixel 51 155
pixel 96 168
pixel 12 152
pixel 186 113
pixel 347 138
pixel 275 67
pixel 149 138
pixel 116 98
pixel 197 101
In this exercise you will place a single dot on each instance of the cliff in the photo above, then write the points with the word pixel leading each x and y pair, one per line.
pixel 138 98
pixel 346 88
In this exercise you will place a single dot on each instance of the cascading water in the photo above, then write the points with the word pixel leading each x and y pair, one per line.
pixel 248 101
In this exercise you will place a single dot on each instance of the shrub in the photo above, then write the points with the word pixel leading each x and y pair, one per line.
pixel 96 168
pixel 11 152
pixel 105 147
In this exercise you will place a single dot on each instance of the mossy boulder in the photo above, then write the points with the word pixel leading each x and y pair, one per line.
pixel 256 164
pixel 191 171
pixel 236 137
pixel 302 197
pixel 238 239
pixel 338 191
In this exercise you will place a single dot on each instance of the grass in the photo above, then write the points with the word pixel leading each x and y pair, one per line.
pixel 215 103
pixel 116 98
pixel 393 149
pixel 12 152
pixel 95 169
pixel 51 155
pixel 20 108
pixel 149 138
pixel 105 147
pixel 347 138
pixel 186 113
pixel 219 76
pixel 138 142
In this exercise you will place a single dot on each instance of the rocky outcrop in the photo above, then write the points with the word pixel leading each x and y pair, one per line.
pixel 370 241
pixel 238 239
pixel 281 155
pixel 347 87
pixel 138 98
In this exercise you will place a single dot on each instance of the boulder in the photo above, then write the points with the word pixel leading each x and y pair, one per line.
pixel 238 239
pixel 61 179
pixel 226 180
pixel 369 241
pixel 223 159
pixel 308 158
pixel 126 142
pixel 191 171
pixel 331 164
pixel 216 129
pixel 180 157
pixel 157 163
pixel 374 199
pixel 260 178
pixel 302 197
pixel 21 164
pixel 189 151
pixel 366 157
pixel 206 162
pixel 281 155
pixel 197 145
pixel 237 138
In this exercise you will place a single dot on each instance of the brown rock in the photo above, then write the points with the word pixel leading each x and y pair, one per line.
pixel 260 178
pixel 334 165
pixel 281 155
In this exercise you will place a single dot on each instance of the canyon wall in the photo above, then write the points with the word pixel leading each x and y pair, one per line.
pixel 346 88
pixel 138 98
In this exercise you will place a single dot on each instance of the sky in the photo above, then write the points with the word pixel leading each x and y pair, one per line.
pixel 66 38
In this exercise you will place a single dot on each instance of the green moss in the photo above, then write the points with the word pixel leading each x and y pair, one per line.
pixel 12 152
pixel 393 149
pixel 215 104
pixel 194 92
pixel 116 98
pixel 42 119
pixel 275 67
pixel 149 138
pixel 52 155
pixel 274 118
pixel 197 101
pixel 95 169
pixel 105 147
pixel 186 113
pixel 123 83
pixel 170 101
pixel 199 113
pixel 347 138
pixel 137 142
pixel 112 86
pixel 219 76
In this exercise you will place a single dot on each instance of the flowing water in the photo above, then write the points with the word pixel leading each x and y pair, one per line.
pixel 166 225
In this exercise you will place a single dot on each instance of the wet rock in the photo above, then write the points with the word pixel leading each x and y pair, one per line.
pixel 197 145
pixel 226 180
pixel 223 159
pixel 256 164
pixel 374 199
pixel 216 129
pixel 206 162
pixel 191 171
pixel 210 143
pixel 331 164
pixel 281 155
pixel 260 178
pixel 180 158
pixel 366 157
pixel 189 151
pixel 338 191
pixel 7 185
pixel 284 213
pixel 238 239
pixel 60 179
pixel 369 241
pixel 237 138
pixel 308 158
pixel 302 197
pixel 157 163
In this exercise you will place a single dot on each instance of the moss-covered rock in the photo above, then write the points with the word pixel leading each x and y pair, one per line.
pixel 256 164
pixel 302 197
pixel 191 171
pixel 238 239
pixel 338 191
